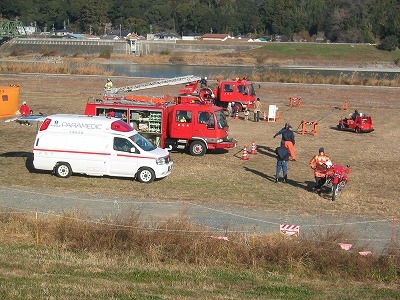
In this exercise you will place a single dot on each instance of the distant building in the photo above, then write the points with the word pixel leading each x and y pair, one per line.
pixel 261 39
pixel 29 30
pixel 134 37
pixel 165 36
pixel 75 36
pixel 62 32
pixel 110 37
pixel 215 37
pixel 243 38
pixel 191 37
pixel 90 36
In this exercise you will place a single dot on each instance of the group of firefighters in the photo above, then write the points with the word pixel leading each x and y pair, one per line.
pixel 285 152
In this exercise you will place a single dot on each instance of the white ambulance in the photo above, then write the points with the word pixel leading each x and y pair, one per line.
pixel 97 146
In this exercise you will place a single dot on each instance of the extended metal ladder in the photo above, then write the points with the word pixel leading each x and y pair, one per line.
pixel 163 82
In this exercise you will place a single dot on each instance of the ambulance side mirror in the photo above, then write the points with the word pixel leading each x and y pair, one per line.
pixel 133 150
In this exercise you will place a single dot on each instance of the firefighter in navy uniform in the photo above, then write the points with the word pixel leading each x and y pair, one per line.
pixel 203 83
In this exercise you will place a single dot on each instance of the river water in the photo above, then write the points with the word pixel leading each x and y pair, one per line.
pixel 170 71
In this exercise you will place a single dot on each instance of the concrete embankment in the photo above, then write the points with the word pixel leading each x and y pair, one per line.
pixel 96 47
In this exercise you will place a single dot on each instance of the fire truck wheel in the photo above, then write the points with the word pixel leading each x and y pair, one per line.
pixel 63 170
pixel 197 148
pixel 146 175
pixel 335 191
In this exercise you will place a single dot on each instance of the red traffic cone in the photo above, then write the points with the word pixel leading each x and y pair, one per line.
pixel 265 116
pixel 253 148
pixel 245 155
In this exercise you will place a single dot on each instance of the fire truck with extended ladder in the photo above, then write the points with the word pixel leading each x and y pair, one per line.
pixel 190 123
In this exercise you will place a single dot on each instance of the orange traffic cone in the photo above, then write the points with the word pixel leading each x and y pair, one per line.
pixel 237 115
pixel 245 155
pixel 265 116
pixel 253 148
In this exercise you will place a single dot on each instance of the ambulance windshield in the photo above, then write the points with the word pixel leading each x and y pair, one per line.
pixel 221 119
pixel 142 142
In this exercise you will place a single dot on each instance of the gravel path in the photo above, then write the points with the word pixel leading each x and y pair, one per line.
pixel 370 234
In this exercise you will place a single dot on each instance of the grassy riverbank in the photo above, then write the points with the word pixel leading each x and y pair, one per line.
pixel 75 257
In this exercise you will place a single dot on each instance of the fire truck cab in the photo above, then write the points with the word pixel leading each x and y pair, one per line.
pixel 187 125
pixel 240 91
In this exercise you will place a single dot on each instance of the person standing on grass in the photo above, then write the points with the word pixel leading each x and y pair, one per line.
pixel 257 110
pixel 318 163
pixel 288 138
pixel 282 157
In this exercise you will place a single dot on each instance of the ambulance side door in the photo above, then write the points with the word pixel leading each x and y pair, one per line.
pixel 124 158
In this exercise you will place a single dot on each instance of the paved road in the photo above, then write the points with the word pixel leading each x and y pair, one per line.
pixel 372 234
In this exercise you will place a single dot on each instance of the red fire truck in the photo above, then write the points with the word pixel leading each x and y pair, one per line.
pixel 193 125
pixel 238 90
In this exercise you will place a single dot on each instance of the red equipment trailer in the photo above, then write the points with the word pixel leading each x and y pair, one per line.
pixel 188 125
pixel 359 124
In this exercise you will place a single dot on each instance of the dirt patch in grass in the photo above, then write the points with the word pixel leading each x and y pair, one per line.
pixel 222 177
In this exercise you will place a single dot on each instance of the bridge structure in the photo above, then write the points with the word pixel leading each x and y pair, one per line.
pixel 10 29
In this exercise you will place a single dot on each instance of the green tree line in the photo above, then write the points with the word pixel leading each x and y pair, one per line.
pixel 368 21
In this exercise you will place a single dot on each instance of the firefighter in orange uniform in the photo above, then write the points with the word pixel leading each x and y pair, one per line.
pixel 318 164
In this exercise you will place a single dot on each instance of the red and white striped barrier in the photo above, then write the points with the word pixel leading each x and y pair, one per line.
pixel 291 230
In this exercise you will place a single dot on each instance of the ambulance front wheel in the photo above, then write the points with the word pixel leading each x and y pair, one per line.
pixel 197 148
pixel 63 170
pixel 146 175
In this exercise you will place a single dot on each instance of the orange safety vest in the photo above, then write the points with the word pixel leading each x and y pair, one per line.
pixel 318 164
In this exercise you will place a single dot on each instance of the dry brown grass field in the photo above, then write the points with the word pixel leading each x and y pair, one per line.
pixel 222 177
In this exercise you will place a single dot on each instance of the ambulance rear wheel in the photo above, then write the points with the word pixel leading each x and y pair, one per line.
pixel 146 175
pixel 197 148
pixel 63 170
